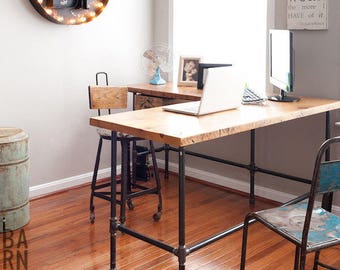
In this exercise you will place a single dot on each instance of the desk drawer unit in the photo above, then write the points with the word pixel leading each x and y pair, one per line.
pixel 145 102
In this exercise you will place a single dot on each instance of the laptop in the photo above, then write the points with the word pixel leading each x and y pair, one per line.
pixel 222 91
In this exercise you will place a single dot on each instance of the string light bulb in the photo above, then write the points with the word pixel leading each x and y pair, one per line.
pixel 99 4
pixel 48 11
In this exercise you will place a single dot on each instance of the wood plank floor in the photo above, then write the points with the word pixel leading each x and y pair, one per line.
pixel 60 236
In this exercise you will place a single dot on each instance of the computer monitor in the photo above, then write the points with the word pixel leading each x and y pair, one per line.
pixel 281 50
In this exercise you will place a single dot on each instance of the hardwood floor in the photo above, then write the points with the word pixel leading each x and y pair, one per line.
pixel 60 236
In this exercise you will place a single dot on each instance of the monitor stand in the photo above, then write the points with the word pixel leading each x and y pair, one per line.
pixel 283 98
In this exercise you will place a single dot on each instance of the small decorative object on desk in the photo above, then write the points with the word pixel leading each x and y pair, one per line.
pixel 188 71
pixel 155 60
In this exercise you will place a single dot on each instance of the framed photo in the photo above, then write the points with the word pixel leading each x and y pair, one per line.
pixel 188 71
pixel 62 3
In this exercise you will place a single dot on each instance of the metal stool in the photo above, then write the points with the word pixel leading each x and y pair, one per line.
pixel 107 98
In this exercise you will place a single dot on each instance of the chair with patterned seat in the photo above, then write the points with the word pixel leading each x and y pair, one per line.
pixel 107 98
pixel 309 227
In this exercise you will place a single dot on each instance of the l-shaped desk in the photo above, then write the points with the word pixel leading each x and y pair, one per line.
pixel 180 131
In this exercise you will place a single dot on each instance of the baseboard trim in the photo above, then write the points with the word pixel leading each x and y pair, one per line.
pixel 66 183
pixel 231 183
pixel 267 193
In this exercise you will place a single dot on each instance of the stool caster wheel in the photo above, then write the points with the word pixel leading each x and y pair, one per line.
pixel 130 205
pixel 92 218
pixel 157 216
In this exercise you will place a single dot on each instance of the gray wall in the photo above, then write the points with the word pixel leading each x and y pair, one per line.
pixel 45 69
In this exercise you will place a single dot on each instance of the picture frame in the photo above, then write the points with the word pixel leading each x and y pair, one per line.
pixel 188 70
pixel 60 4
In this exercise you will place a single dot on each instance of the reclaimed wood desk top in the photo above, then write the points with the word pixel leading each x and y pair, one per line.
pixel 182 130
pixel 168 90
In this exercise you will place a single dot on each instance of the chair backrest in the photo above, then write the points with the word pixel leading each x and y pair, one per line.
pixel 326 178
pixel 329 177
pixel 107 97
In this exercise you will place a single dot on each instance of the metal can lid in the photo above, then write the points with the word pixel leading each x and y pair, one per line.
pixel 11 134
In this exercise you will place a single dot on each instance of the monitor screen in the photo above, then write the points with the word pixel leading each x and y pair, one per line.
pixel 281 59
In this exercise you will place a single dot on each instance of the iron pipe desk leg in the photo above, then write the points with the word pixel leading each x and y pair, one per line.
pixel 113 214
pixel 252 167
pixel 182 251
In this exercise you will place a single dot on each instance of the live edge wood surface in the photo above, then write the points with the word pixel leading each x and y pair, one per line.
pixel 182 130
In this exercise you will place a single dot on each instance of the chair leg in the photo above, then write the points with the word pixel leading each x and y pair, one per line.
pixel 157 215
pixel 302 260
pixel 166 159
pixel 316 260
pixel 326 266
pixel 134 161
pixel 94 180
pixel 129 180
pixel 297 258
pixel 317 263
pixel 244 242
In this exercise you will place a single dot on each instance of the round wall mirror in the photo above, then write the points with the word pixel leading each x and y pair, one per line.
pixel 69 11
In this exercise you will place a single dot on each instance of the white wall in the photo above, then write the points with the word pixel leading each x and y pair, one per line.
pixel 289 147
pixel 45 69
pixel 218 34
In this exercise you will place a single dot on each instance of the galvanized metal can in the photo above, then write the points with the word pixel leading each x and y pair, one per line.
pixel 14 179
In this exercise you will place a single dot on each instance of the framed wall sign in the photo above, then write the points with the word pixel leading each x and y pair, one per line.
pixel 310 15
pixel 69 11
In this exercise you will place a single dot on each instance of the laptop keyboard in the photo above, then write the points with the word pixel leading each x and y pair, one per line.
pixel 191 108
